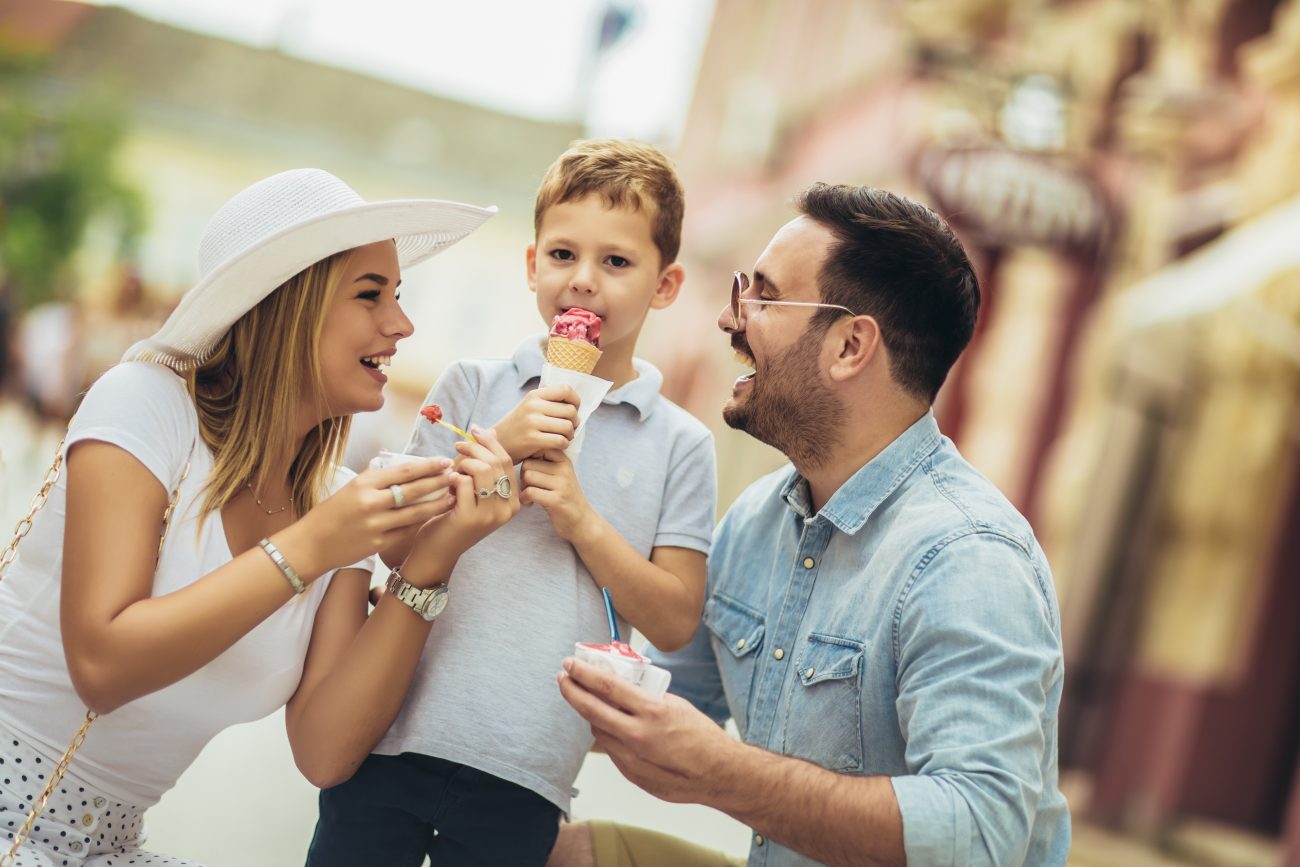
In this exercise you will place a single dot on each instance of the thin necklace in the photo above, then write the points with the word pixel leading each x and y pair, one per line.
pixel 262 505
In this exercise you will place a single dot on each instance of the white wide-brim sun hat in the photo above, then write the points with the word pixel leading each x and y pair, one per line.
pixel 277 228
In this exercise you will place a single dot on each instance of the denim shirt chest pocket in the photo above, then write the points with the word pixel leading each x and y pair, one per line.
pixel 823 721
pixel 737 635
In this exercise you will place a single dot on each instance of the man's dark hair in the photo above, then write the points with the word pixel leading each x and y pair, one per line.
pixel 898 262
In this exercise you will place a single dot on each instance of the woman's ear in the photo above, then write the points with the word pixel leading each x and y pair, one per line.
pixel 857 342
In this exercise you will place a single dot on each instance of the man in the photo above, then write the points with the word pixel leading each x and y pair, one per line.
pixel 880 622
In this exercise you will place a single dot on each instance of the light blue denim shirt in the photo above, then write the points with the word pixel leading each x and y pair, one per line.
pixel 908 629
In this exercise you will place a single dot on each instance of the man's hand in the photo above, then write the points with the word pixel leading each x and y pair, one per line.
pixel 664 745
pixel 550 481
pixel 544 419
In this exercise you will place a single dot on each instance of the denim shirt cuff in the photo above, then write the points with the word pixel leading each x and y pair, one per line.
pixel 936 823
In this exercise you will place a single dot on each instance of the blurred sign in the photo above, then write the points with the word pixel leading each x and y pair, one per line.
pixel 1006 197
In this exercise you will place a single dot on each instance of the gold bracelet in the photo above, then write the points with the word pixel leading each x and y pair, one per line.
pixel 278 559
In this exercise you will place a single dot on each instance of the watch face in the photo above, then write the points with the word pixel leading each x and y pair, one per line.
pixel 436 603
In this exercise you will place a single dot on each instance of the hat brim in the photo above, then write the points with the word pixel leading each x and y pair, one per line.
pixel 421 228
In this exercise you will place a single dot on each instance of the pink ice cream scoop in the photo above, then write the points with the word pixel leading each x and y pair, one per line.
pixel 577 323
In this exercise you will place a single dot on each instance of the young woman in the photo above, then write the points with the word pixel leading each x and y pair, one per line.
pixel 220 435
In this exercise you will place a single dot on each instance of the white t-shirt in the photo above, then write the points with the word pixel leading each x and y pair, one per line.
pixel 139 750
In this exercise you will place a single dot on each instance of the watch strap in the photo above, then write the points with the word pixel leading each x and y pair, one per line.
pixel 418 599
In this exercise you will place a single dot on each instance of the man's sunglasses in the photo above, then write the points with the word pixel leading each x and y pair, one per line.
pixel 740 285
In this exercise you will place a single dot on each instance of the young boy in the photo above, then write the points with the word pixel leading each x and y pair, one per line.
pixel 481 760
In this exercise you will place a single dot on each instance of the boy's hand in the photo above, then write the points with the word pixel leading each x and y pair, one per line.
pixel 550 482
pixel 544 419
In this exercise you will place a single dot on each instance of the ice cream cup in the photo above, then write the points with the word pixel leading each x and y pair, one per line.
pixel 386 459
pixel 625 664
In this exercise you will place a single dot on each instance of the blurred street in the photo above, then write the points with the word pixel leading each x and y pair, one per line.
pixel 1123 175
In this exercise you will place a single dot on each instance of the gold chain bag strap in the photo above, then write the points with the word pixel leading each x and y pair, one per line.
pixel 7 557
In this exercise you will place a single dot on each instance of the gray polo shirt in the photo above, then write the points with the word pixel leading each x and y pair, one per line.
pixel 485 692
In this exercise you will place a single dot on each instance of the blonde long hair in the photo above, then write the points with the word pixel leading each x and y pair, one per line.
pixel 247 392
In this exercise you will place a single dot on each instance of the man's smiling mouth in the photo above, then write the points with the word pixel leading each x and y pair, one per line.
pixel 743 356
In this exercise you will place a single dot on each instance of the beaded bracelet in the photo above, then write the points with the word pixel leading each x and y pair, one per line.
pixel 278 559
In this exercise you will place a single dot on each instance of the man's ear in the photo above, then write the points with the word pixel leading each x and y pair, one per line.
pixel 857 342
pixel 670 283
pixel 530 263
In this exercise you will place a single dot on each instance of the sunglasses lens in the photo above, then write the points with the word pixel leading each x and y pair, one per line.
pixel 739 283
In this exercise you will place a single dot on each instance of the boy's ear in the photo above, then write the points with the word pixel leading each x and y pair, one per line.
pixel 530 263
pixel 670 283
pixel 855 346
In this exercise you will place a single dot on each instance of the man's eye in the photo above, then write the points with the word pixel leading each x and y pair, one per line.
pixel 562 255
pixel 618 261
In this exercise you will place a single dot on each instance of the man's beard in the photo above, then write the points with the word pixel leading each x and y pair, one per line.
pixel 787 406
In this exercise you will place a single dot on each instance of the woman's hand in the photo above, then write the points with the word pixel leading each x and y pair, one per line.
pixel 371 512
pixel 485 495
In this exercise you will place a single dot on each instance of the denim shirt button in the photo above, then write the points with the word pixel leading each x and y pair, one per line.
pixel 740 645
pixel 811 672
pixel 758 840
pixel 809 562
pixel 779 654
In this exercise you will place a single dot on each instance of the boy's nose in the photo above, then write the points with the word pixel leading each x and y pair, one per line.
pixel 583 285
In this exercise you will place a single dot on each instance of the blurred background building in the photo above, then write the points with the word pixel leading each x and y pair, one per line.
pixel 1124 173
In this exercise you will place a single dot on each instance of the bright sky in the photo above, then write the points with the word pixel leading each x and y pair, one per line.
pixel 529 57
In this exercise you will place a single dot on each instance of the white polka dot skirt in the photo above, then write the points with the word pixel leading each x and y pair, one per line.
pixel 80 826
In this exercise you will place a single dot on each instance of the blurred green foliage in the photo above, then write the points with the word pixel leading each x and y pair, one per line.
pixel 57 176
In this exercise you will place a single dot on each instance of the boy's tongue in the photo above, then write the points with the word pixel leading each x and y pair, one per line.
pixel 577 323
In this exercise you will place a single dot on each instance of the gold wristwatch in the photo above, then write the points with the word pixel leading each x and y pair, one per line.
pixel 428 602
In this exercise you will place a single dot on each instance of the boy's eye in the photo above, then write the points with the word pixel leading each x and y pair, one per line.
pixel 562 254
pixel 618 261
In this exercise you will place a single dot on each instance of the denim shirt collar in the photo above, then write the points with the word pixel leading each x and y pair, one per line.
pixel 850 506
pixel 639 393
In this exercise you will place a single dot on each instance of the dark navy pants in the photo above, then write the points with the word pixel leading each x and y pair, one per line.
pixel 397 809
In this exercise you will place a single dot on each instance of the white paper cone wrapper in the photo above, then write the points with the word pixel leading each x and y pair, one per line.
pixel 591 391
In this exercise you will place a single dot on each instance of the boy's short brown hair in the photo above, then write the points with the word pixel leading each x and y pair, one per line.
pixel 628 174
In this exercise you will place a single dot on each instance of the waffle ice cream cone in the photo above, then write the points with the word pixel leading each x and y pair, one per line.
pixel 572 354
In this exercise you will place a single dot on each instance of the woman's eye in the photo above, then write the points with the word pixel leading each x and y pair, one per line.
pixel 397 296
pixel 618 261
pixel 562 255
pixel 369 295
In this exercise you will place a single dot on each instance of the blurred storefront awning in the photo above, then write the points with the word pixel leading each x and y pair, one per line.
pixel 1226 273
